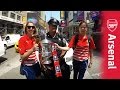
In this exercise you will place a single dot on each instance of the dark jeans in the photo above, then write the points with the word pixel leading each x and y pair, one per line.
pixel 79 68
pixel 31 72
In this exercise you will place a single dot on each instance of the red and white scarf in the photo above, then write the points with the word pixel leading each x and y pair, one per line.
pixel 58 72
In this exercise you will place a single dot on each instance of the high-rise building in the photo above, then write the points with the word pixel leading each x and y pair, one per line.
pixel 62 15
pixel 38 17
pixel 42 20
pixel 10 22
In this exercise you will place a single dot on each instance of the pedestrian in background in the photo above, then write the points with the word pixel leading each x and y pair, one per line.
pixel 27 46
pixel 82 50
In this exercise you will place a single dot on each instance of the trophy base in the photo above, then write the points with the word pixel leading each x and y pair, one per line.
pixel 47 62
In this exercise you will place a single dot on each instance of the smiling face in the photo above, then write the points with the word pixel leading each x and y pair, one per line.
pixel 30 29
pixel 52 28
pixel 83 28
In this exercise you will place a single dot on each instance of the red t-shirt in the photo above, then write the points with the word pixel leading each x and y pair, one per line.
pixel 26 43
pixel 81 52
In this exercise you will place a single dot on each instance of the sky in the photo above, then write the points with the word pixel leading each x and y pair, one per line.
pixel 55 14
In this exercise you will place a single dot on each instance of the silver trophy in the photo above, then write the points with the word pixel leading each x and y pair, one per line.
pixel 46 50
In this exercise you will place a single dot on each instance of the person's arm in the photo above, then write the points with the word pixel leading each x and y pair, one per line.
pixel 91 56
pixel 26 54
pixel 92 46
pixel 65 44
pixel 70 45
pixel 29 52
pixel 62 48
pixel 91 59
pixel 63 53
pixel 22 50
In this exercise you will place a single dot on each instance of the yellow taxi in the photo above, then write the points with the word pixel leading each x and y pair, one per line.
pixel 16 47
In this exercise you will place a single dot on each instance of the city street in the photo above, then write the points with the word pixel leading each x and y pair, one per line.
pixel 9 68
pixel 95 71
pixel 14 22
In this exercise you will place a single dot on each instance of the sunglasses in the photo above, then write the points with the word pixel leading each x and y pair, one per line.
pixel 29 27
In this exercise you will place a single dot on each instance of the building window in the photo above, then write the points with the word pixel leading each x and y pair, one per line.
pixel 5 13
pixel 12 16
pixel 16 11
pixel 18 17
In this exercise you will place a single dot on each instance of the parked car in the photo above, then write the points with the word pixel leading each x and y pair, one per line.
pixel 10 40
pixel 2 49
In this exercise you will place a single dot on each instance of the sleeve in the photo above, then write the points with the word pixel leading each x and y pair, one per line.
pixel 92 44
pixel 71 43
pixel 21 46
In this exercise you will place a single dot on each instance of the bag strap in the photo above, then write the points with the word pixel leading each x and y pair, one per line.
pixel 75 41
pixel 89 36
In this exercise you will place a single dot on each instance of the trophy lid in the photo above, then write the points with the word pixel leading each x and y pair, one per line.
pixel 46 41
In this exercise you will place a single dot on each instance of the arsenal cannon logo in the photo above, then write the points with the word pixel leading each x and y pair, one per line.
pixel 112 24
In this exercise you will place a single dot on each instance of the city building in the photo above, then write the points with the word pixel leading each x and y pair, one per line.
pixel 62 22
pixel 15 21
pixel 10 22
pixel 72 19
pixel 42 20
pixel 38 17
pixel 24 17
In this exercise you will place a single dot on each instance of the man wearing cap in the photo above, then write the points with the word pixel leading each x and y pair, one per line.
pixel 55 37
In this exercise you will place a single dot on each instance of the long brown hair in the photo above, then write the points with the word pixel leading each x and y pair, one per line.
pixel 27 25
pixel 77 35
pixel 81 22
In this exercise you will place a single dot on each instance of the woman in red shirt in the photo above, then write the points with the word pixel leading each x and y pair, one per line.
pixel 82 50
pixel 27 48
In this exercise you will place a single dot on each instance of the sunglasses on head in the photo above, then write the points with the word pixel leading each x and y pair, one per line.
pixel 29 27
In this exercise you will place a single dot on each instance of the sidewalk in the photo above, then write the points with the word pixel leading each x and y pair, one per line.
pixel 14 74
pixel 92 73
pixel 87 75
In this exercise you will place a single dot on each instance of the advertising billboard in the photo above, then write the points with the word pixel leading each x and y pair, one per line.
pixel 62 14
pixel 80 15
pixel 33 17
